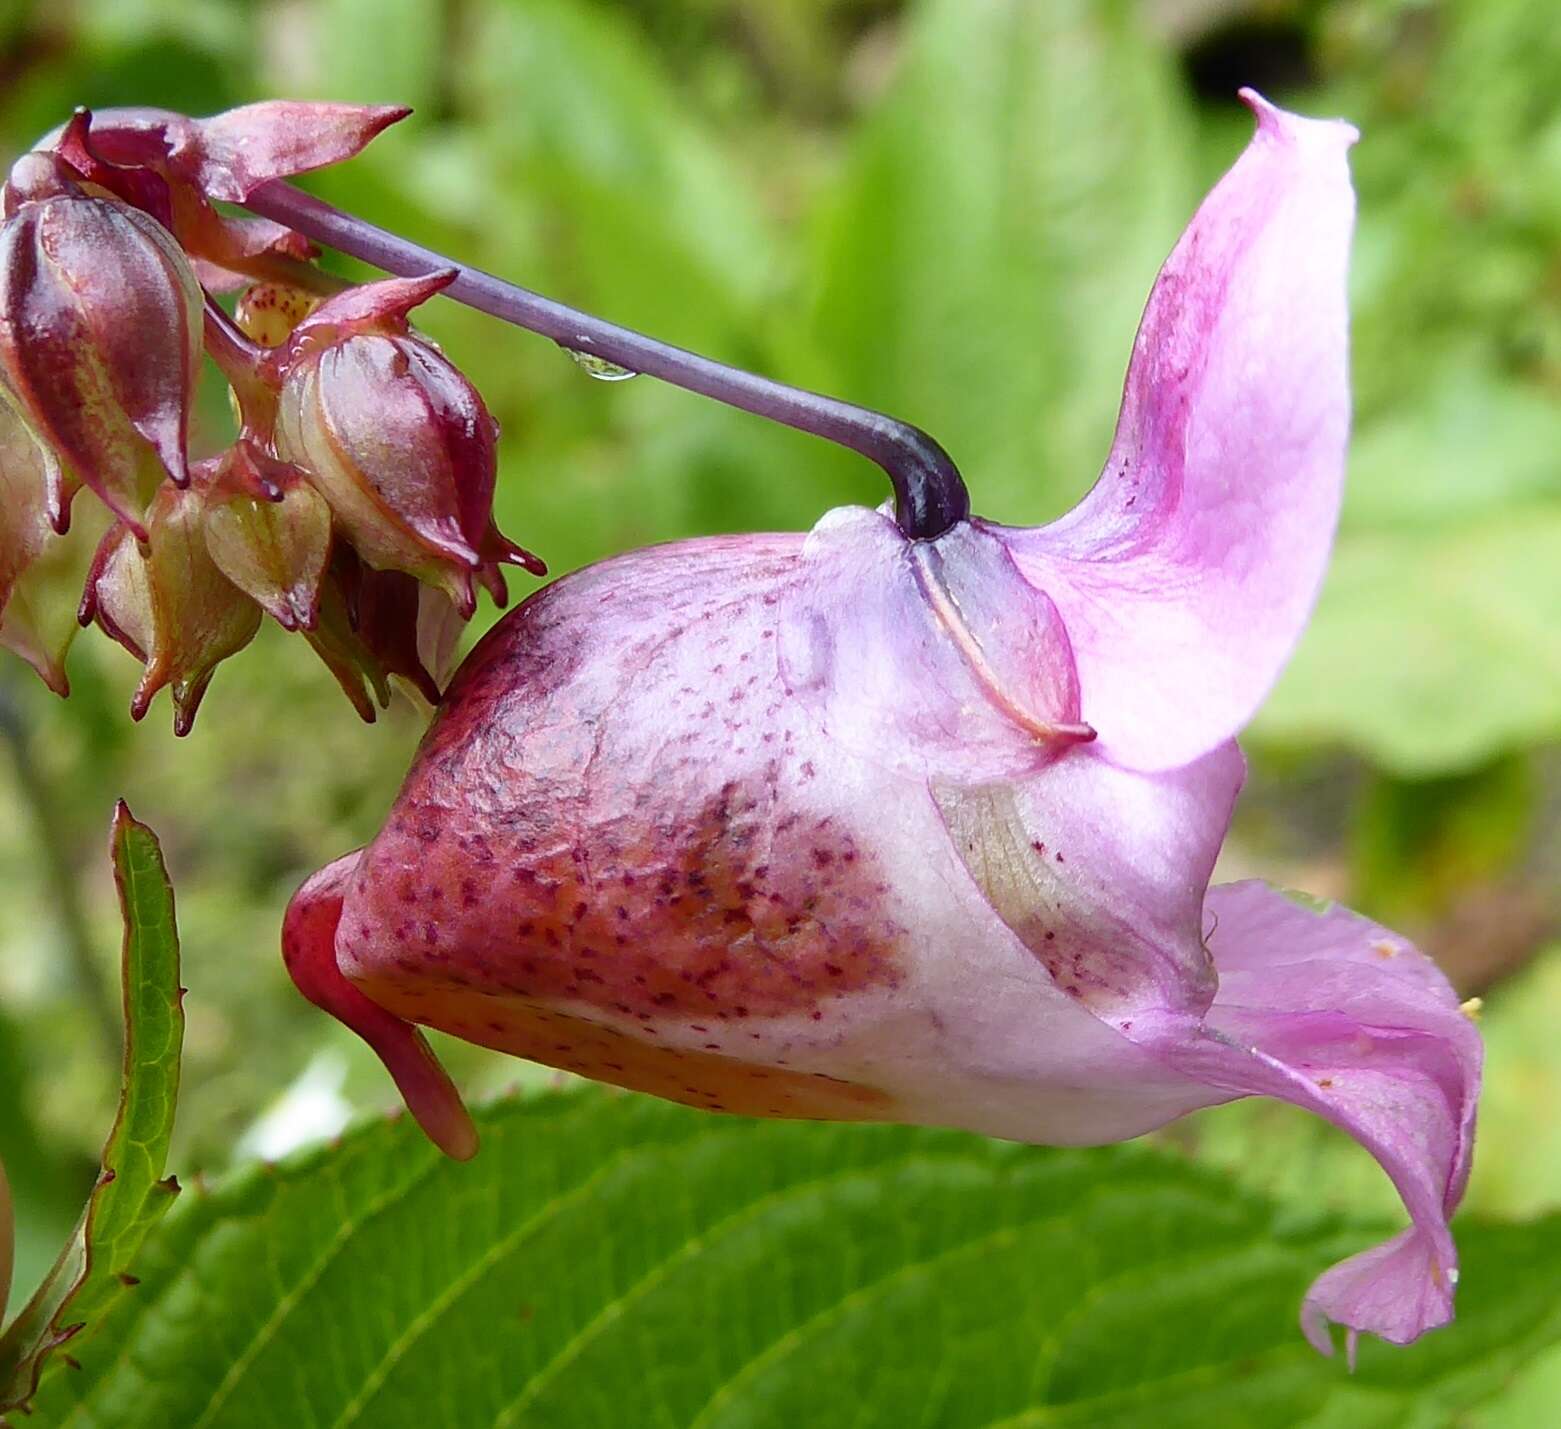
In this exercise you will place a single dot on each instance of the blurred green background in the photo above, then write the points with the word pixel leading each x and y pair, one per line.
pixel 952 210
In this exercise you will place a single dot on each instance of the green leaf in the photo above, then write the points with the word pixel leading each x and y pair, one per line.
pixel 93 1272
pixel 611 1260
pixel 1432 649
pixel 998 227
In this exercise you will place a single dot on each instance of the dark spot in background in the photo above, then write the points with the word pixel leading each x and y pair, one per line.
pixel 1272 55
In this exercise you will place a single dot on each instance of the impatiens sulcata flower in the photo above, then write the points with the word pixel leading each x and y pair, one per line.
pixel 915 823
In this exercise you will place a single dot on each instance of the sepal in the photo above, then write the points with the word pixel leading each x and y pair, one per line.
pixel 269 532
pixel 168 602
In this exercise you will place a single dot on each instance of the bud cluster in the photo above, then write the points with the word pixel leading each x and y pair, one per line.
pixel 354 505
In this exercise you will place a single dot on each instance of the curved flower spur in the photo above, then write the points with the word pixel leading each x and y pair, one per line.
pixel 916 825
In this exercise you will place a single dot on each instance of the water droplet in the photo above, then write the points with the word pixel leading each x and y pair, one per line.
pixel 599 367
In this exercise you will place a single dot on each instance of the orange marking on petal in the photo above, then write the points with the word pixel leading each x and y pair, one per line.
pixel 709 1080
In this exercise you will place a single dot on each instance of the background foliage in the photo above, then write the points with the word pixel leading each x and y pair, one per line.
pixel 953 210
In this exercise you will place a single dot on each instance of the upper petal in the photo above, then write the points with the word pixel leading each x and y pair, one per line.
pixel 233 153
pixel 1185 576
pixel 229 155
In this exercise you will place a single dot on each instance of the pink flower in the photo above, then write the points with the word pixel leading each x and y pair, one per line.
pixel 848 825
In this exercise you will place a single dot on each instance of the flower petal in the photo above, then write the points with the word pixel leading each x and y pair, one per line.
pixel 1325 1009
pixel 233 153
pixel 1100 871
pixel 937 658
pixel 1185 576
pixel 229 155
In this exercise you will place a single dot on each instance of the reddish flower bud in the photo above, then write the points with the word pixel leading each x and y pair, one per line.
pixel 439 627
pixel 100 337
pixel 40 572
pixel 168 602
pixel 229 155
pixel 396 438
pixel 29 482
pixel 362 679
pixel 398 620
pixel 40 619
pixel 274 550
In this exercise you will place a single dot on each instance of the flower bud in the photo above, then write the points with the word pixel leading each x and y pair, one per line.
pixel 41 573
pixel 275 551
pixel 141 151
pixel 29 482
pixel 336 642
pixel 408 628
pixel 100 338
pixel 375 624
pixel 168 602
pixel 399 442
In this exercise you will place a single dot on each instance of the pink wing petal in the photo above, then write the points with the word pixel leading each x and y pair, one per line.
pixel 1329 1011
pixel 1186 575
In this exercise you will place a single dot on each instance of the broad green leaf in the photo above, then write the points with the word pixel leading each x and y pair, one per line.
pixel 93 1272
pixel 1431 649
pixel 612 1260
pixel 996 233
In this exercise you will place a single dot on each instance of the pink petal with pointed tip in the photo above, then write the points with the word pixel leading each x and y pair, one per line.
pixel 1330 1011
pixel 1185 576
pixel 384 304
pixel 232 154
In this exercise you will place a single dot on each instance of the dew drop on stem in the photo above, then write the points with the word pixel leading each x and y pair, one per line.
pixel 599 367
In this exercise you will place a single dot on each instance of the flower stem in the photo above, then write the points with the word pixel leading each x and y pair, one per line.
pixel 930 495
